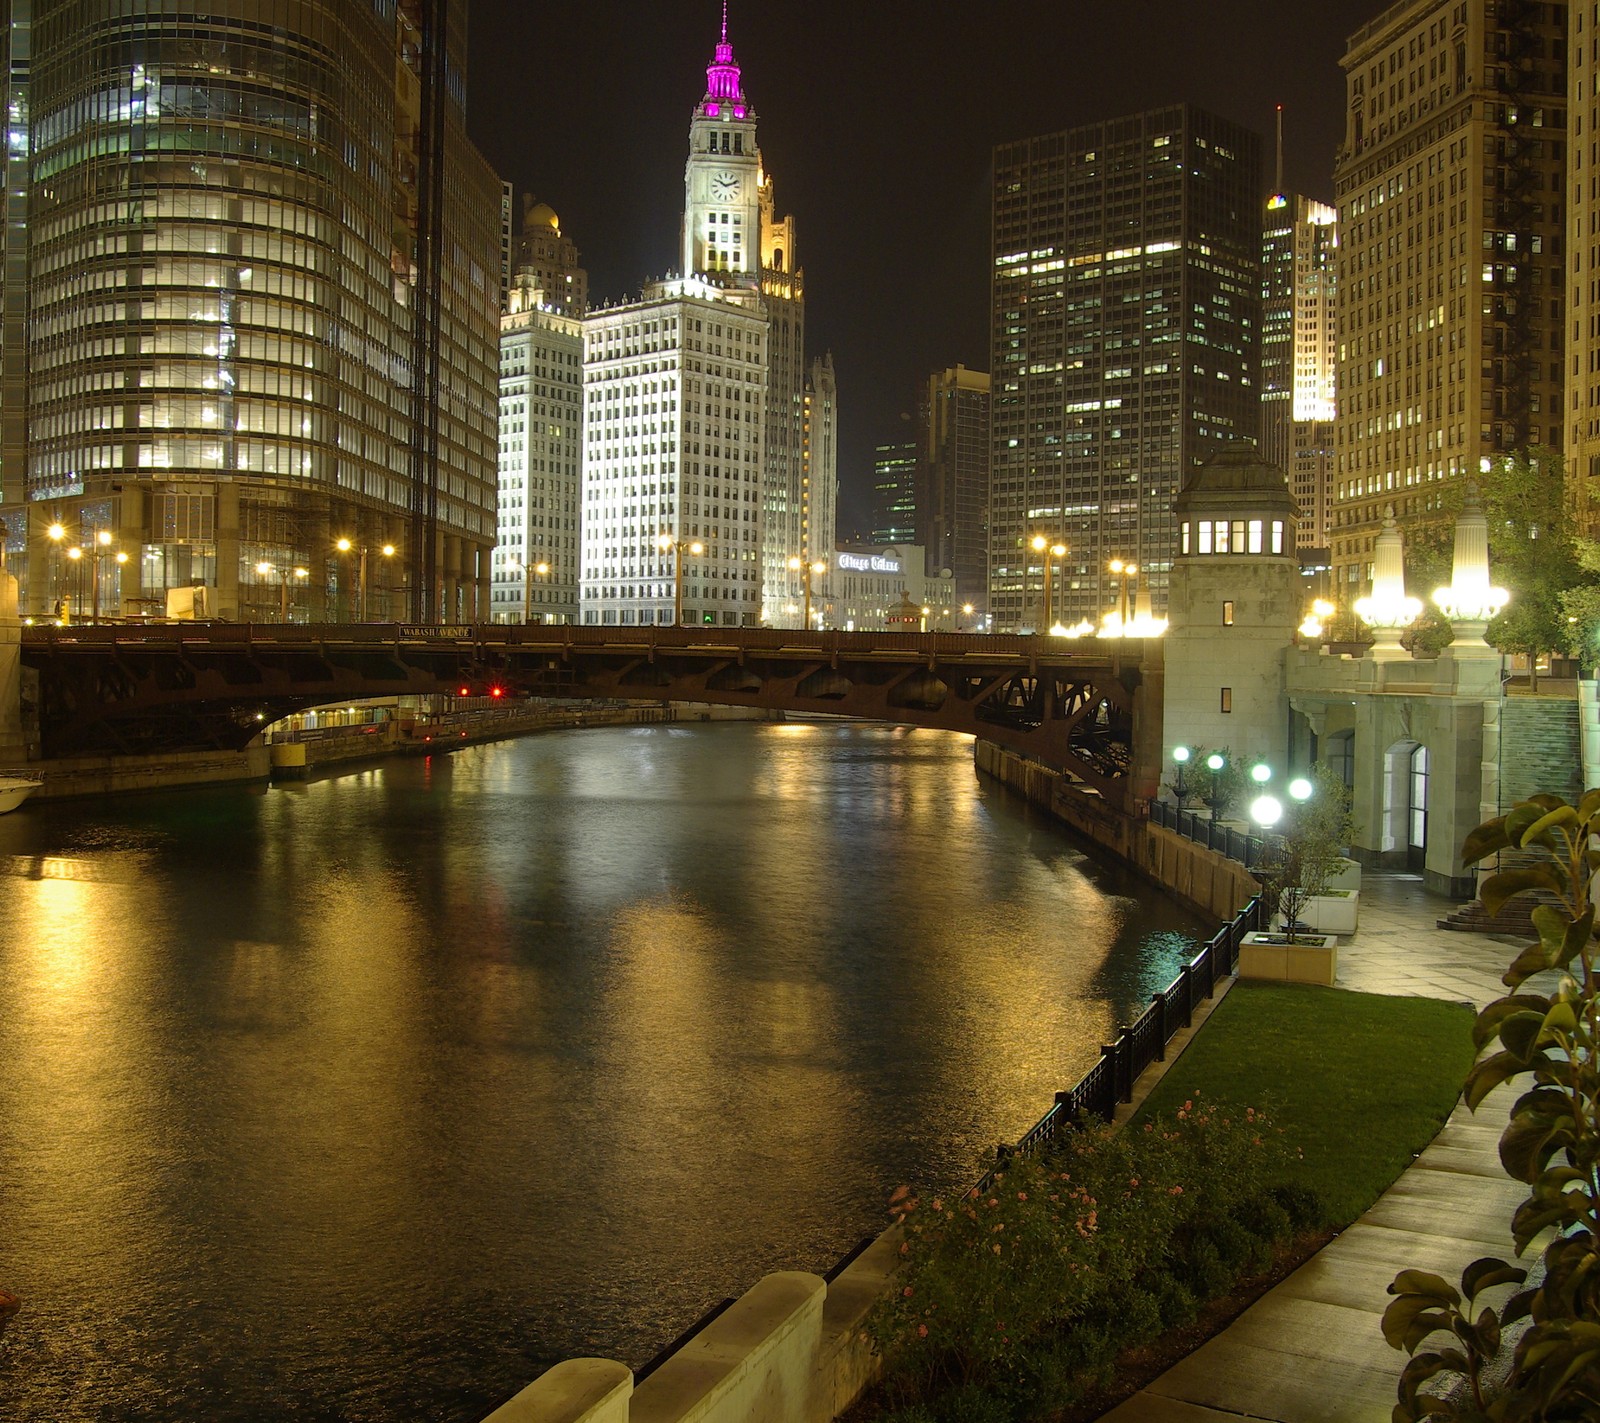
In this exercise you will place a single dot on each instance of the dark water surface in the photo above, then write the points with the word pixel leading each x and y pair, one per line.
pixel 367 1099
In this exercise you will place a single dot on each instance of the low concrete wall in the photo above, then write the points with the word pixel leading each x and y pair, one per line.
pixel 1203 880
pixel 79 776
pixel 788 1351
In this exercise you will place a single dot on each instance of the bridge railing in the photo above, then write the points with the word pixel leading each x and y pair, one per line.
pixel 1197 825
pixel 1109 1083
pixel 559 636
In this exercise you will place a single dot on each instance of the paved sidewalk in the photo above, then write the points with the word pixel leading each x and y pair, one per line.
pixel 1311 1350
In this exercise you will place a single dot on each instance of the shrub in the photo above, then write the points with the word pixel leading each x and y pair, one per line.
pixel 1069 1258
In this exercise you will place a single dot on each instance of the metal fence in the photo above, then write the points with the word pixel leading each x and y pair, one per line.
pixel 1110 1081
pixel 1197 825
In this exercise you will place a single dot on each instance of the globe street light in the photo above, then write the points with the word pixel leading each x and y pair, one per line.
pixel 1214 795
pixel 805 569
pixel 1180 786
pixel 667 543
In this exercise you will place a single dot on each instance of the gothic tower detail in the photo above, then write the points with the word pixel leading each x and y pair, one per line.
pixel 723 179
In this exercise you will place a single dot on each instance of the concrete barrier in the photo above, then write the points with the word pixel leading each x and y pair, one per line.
pixel 574 1391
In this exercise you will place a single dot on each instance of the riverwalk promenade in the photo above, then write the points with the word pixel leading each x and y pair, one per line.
pixel 1312 1350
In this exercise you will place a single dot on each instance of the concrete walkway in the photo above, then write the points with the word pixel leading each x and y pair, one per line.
pixel 1311 1350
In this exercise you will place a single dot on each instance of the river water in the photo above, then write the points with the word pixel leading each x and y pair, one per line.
pixel 367 1099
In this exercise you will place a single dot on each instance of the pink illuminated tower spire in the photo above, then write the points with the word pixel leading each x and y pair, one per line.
pixel 722 74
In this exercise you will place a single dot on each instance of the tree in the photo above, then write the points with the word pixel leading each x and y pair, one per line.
pixel 1531 551
pixel 1304 855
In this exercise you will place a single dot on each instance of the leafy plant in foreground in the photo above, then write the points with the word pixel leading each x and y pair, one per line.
pixel 1552 1143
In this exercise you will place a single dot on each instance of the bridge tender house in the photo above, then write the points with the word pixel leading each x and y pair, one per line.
pixel 867 584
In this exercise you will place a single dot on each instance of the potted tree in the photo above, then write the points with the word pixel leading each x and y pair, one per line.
pixel 1294 873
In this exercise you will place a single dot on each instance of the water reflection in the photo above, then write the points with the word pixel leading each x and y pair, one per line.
pixel 376 1094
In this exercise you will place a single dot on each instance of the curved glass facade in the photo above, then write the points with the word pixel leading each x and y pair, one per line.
pixel 223 256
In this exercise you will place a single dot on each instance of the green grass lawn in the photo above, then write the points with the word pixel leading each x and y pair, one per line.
pixel 1359 1081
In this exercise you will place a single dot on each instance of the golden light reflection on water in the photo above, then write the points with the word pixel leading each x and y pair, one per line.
pixel 564 1038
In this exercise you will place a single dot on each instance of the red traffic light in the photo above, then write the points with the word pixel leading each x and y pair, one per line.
pixel 497 691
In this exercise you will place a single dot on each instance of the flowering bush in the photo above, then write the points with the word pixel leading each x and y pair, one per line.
pixel 1032 1287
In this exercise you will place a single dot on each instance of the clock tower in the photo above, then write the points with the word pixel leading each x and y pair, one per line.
pixel 723 178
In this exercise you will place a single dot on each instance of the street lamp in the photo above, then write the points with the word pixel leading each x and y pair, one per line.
pixel 799 565
pixel 966 612
pixel 97 555
pixel 1051 551
pixel 266 570
pixel 666 543
pixel 346 546
pixel 528 570
pixel 1180 786
pixel 1215 795
pixel 1124 573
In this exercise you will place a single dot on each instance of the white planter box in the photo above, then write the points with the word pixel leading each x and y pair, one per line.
pixel 1347 876
pixel 1332 913
pixel 1313 959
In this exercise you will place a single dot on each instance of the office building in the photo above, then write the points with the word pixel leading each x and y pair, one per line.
pixel 263 273
pixel 549 261
pixel 706 449
pixel 1451 222
pixel 1299 256
pixel 541 460
pixel 1125 331
pixel 884 587
pixel 894 493
pixel 1582 418
pixel 952 502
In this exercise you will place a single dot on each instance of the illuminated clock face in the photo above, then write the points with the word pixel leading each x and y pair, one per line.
pixel 724 186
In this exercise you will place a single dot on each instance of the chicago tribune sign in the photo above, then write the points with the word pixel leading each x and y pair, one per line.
pixel 868 563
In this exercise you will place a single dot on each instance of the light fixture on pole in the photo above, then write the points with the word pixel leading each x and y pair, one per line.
pixel 1388 611
pixel 1470 602
pixel 1049 552
pixel 98 553
pixel 266 570
pixel 348 545
pixel 1124 574
pixel 527 570
pixel 806 568
pixel 668 544
pixel 1180 785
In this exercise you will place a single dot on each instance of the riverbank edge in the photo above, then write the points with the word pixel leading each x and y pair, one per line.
pixel 802 1338
pixel 84 777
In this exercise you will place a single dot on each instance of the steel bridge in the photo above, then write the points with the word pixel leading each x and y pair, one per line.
pixel 1074 705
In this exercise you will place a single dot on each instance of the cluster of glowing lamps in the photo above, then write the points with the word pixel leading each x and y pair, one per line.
pixel 807 570
pixel 97 551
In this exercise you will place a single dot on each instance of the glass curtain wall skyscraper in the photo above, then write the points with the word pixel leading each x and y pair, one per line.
pixel 264 271
pixel 1125 336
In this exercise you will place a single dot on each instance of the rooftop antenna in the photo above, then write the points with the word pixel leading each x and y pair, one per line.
pixel 1278 189
pixel 724 21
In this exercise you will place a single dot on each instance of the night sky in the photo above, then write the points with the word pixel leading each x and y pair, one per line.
pixel 877 121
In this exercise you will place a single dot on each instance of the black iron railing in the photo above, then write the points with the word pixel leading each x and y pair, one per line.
pixel 1197 825
pixel 1110 1081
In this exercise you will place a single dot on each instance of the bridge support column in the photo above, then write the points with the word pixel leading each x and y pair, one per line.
pixel 13 746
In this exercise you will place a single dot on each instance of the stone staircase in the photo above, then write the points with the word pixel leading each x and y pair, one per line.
pixel 1540 750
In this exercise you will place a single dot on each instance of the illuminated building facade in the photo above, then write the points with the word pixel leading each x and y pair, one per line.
pixel 1450 189
pixel 548 261
pixel 1583 247
pixel 882 586
pixel 1125 329
pixel 953 479
pixel 541 459
pixel 894 493
pixel 1299 257
pixel 698 409
pixel 263 270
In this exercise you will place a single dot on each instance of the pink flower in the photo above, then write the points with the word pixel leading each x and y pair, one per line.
pixel 906 1292
pixel 938 1205
pixel 1022 1195
pixel 922 1331
pixel 995 1248
pixel 1176 1191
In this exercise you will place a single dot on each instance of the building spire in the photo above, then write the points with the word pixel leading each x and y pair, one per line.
pixel 722 74
pixel 1279 178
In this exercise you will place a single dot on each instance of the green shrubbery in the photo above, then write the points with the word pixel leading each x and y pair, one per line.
pixel 1018 1300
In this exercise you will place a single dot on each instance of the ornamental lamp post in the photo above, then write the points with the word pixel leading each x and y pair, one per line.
pixel 1470 602
pixel 346 546
pixel 668 543
pixel 1181 787
pixel 1387 610
pixel 1050 552
pixel 806 569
